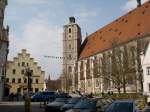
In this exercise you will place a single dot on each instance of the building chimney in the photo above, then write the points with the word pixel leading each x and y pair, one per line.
pixel 138 3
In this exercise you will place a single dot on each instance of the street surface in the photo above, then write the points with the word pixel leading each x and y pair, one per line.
pixel 19 107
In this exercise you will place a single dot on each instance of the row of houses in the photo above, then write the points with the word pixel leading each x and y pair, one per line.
pixel 114 57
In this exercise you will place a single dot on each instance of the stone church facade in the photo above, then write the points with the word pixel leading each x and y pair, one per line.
pixel 71 45
pixel 110 58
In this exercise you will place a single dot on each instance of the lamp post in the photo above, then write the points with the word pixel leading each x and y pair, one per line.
pixel 141 80
pixel 28 73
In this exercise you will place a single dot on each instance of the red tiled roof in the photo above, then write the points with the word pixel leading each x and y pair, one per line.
pixel 133 25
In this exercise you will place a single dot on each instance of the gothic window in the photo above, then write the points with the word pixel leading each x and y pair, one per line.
pixel 69 30
pixel 13 71
pixel 70 69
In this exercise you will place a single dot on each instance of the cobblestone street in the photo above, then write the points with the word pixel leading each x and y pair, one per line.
pixel 18 107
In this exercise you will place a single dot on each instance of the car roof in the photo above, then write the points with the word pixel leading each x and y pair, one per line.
pixel 124 101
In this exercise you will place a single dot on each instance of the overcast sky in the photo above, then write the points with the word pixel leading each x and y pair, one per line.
pixel 37 25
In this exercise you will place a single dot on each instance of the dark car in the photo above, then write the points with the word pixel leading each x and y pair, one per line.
pixel 85 105
pixel 71 103
pixel 90 105
pixel 62 95
pixel 43 96
pixel 56 105
pixel 122 106
pixel 147 109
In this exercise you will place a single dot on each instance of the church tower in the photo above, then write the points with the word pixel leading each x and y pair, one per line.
pixel 3 47
pixel 71 46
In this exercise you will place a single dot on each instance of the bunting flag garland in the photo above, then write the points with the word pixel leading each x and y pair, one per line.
pixel 59 57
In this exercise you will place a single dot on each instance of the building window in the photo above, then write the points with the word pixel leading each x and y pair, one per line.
pixel 19 80
pixel 69 30
pixel 37 81
pixel 149 87
pixel 23 64
pixel 148 70
pixel 36 90
pixel 7 80
pixel 18 90
pixel 22 71
pixel 25 80
pixel 27 64
pixel 13 80
pixel 70 69
pixel 18 64
pixel 13 71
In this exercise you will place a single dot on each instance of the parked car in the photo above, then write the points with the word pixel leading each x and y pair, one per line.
pixel 85 105
pixel 43 96
pixel 71 103
pixel 122 106
pixel 56 105
pixel 62 95
pixel 147 109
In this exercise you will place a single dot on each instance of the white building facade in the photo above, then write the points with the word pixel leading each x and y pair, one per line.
pixel 146 70
pixel 110 58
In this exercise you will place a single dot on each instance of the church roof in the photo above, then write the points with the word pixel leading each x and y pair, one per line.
pixel 135 24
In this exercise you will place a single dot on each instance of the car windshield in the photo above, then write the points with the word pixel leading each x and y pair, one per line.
pixel 74 100
pixel 85 104
pixel 120 107
pixel 60 100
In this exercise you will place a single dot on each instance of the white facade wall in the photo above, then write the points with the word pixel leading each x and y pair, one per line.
pixel 146 71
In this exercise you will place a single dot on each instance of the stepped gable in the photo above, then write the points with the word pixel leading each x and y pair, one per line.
pixel 135 24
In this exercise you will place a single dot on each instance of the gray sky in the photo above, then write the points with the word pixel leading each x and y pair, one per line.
pixel 36 25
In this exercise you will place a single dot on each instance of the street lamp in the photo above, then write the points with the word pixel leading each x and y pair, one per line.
pixel 28 73
pixel 141 80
